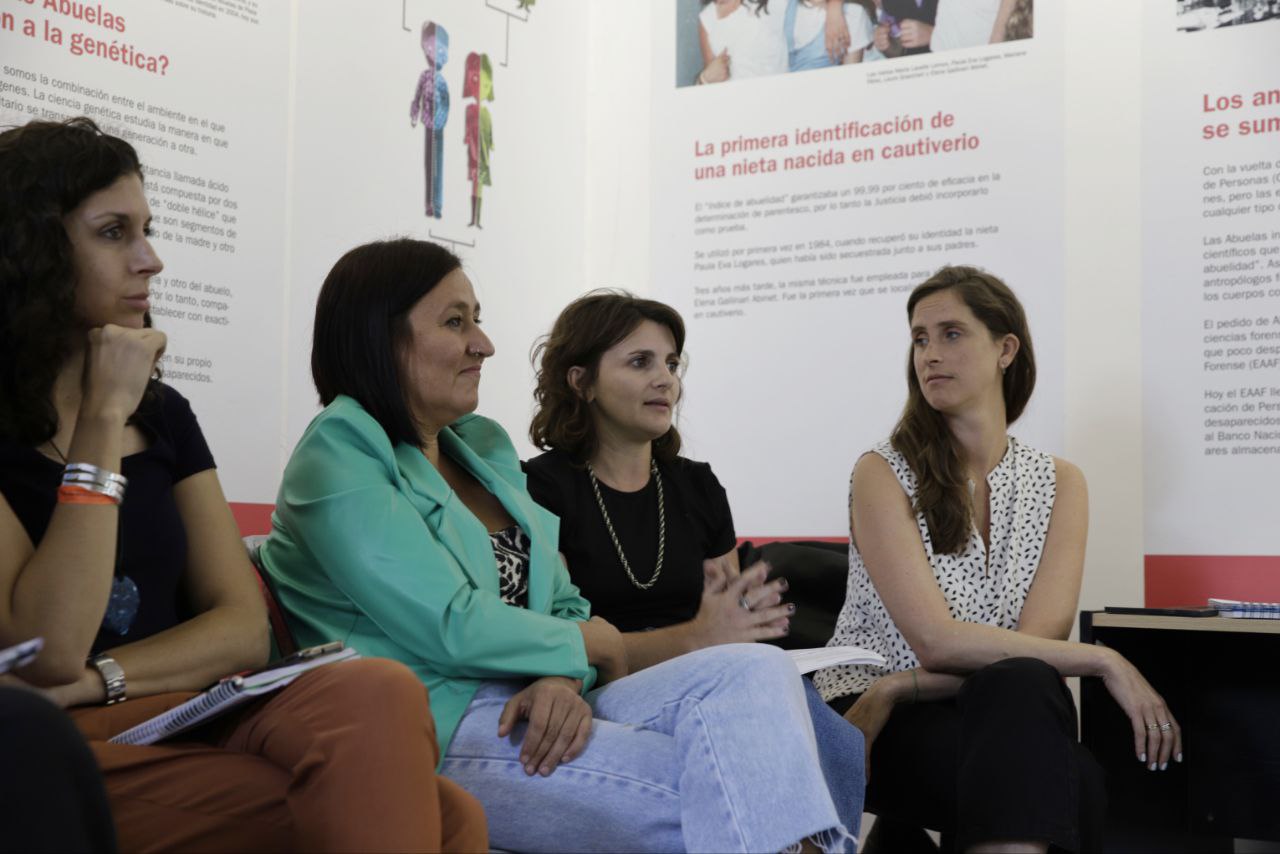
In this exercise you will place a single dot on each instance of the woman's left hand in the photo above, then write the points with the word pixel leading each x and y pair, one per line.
pixel 559 723
pixel 742 609
pixel 837 33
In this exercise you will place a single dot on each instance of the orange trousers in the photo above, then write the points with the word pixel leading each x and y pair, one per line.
pixel 343 759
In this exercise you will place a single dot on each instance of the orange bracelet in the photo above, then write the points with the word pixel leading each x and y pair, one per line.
pixel 80 495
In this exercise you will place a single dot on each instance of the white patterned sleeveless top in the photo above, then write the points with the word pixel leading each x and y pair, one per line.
pixel 1022 485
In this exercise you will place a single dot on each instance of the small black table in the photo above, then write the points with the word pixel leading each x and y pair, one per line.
pixel 1221 678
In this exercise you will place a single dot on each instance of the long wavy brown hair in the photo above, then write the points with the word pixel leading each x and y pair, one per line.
pixel 921 434
pixel 582 333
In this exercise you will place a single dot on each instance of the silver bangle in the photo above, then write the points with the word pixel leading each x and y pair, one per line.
pixel 95 479
pixel 112 677
pixel 94 472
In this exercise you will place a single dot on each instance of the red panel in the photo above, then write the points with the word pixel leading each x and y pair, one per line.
pixel 252 518
pixel 1192 579
pixel 760 541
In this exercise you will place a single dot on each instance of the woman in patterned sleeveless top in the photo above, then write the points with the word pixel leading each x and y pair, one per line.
pixel 965 558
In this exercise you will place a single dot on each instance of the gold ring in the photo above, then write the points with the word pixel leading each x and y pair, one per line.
pixel 1153 726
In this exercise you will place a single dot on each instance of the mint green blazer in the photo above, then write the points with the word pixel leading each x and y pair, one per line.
pixel 370 546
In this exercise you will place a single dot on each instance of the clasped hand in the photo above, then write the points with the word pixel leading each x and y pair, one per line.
pixel 742 608
pixel 119 365
pixel 559 723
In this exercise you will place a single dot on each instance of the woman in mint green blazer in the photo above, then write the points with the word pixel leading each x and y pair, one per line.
pixel 404 528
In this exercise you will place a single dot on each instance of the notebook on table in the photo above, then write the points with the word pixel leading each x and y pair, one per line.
pixel 1246 610
pixel 233 691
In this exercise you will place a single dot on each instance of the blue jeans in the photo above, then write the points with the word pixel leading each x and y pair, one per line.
pixel 711 751
pixel 841 750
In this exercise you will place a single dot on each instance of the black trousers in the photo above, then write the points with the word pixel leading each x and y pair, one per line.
pixel 999 762
pixel 51 795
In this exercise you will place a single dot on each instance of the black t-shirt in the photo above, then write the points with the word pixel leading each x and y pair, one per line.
pixel 153 541
pixel 699 526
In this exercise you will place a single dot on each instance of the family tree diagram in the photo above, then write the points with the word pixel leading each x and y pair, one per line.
pixel 430 108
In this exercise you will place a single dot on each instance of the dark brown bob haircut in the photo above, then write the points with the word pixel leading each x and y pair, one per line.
pixel 362 325
pixel 921 434
pixel 582 333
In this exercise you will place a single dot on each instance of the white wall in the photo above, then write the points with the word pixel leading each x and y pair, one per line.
pixel 1104 288
pixel 358 172
pixel 1103 293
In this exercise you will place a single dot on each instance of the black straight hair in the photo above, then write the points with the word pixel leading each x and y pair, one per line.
pixel 361 326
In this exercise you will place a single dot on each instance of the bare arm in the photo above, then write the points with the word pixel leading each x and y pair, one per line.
pixel 606 650
pixel 715 67
pixel 836 31
pixel 58 589
pixel 895 559
pixel 1050 609
pixel 230 630
pixel 1052 602
pixel 1002 20
pixel 890 544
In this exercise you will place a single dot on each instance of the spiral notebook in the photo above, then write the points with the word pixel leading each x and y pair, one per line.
pixel 20 655
pixel 1246 610
pixel 232 691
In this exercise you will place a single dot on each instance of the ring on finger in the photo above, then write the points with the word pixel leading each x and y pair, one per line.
pixel 742 600
pixel 1152 727
pixel 1165 726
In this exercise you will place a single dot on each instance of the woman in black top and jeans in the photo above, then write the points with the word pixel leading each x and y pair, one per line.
pixel 648 534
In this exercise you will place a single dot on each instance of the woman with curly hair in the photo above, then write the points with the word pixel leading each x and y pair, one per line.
pixel 647 533
pixel 118 548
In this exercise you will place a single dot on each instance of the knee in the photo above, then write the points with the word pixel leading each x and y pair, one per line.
pixel 465 827
pixel 1013 678
pixel 758 668
pixel 756 660
pixel 374 688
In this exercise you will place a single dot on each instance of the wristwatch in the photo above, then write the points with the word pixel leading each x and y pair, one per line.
pixel 112 677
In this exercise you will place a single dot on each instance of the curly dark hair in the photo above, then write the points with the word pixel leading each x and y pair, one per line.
pixel 46 170
pixel 582 333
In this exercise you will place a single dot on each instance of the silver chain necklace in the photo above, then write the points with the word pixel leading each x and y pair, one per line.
pixel 662 526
